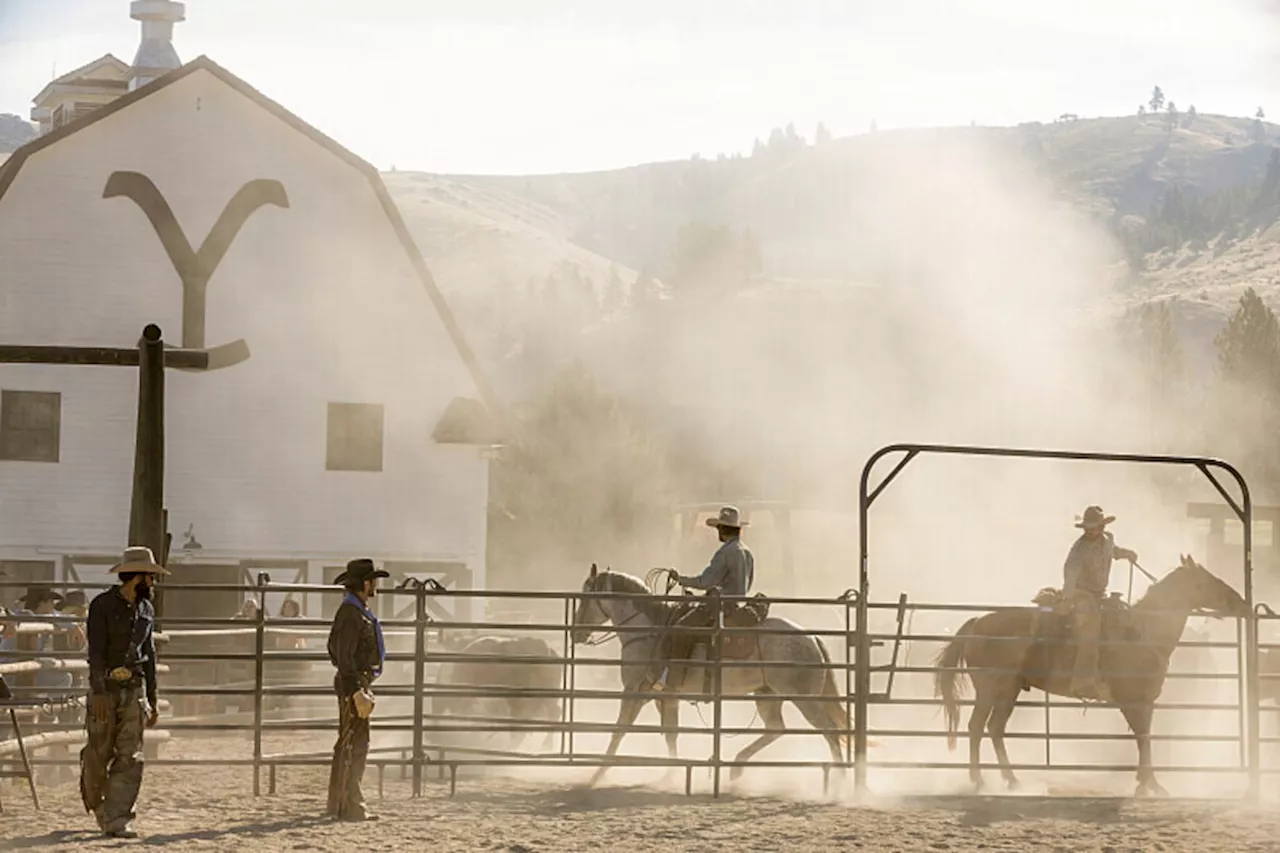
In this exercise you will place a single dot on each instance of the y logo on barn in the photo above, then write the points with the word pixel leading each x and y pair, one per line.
pixel 195 268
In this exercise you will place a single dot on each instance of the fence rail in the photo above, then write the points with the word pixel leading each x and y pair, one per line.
pixel 420 648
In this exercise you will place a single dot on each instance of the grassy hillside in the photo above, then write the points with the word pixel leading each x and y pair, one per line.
pixel 821 212
pixel 14 132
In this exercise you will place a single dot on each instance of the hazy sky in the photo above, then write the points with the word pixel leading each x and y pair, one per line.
pixel 567 85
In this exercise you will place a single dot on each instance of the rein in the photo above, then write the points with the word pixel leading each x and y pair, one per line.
pixel 597 639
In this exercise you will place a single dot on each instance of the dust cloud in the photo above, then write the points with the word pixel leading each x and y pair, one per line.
pixel 991 316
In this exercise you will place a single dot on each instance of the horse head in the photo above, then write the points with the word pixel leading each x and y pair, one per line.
pixel 1202 590
pixel 590 612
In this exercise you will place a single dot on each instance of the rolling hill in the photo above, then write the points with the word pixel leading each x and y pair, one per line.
pixel 14 132
pixel 833 212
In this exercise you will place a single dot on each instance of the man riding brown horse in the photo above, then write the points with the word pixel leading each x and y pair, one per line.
pixel 1086 573
pixel 730 572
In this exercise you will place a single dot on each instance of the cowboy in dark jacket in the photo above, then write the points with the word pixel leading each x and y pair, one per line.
pixel 357 651
pixel 122 692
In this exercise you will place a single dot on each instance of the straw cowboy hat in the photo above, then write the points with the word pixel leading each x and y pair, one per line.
pixel 139 559
pixel 361 569
pixel 728 517
pixel 1094 517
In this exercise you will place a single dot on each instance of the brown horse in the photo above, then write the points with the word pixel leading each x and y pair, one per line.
pixel 1000 654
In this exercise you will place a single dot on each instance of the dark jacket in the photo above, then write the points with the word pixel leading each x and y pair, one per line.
pixel 121 634
pixel 353 649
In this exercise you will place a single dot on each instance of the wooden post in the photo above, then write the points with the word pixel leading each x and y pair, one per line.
pixel 148 520
pixel 146 516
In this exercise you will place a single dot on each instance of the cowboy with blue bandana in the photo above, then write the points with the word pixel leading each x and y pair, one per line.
pixel 357 651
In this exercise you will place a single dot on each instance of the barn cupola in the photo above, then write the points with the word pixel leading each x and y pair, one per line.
pixel 156 55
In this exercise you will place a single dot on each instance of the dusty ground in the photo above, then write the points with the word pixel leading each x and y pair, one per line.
pixel 213 809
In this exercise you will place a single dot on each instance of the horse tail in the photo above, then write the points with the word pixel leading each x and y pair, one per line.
pixel 947 682
pixel 837 707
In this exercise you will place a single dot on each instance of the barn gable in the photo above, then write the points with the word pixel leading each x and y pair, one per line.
pixel 196 203
pixel 10 168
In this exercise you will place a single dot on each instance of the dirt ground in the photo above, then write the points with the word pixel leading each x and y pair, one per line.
pixel 212 808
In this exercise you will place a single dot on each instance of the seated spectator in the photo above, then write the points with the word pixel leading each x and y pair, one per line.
pixel 249 610
pixel 290 609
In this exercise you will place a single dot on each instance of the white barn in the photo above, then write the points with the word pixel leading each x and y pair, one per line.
pixel 358 426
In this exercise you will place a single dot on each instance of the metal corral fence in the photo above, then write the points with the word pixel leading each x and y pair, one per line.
pixel 271 676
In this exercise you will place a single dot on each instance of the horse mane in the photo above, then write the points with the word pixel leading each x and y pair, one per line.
pixel 1156 596
pixel 654 610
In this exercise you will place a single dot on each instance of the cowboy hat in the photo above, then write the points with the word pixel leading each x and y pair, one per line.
pixel 361 569
pixel 1094 517
pixel 728 517
pixel 138 558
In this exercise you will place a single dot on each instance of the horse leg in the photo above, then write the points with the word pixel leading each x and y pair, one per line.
pixel 770 711
pixel 1138 715
pixel 669 711
pixel 628 710
pixel 1001 710
pixel 819 714
pixel 977 723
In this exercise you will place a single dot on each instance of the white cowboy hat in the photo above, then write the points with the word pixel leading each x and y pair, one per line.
pixel 139 558
pixel 728 517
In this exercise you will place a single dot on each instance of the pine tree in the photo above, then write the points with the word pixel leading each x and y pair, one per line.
pixel 1189 117
pixel 821 136
pixel 579 475
pixel 1171 116
pixel 1157 100
pixel 1249 348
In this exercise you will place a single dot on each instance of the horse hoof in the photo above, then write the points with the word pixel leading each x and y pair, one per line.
pixel 1012 784
pixel 1150 788
pixel 976 786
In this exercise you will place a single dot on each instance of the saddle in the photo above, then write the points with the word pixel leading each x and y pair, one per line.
pixel 737 645
pixel 1055 618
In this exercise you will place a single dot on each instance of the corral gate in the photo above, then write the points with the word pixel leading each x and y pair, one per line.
pixel 868 495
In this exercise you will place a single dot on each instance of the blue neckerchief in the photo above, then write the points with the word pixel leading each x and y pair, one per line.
pixel 352 598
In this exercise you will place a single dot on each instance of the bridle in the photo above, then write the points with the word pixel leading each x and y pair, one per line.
pixel 597 639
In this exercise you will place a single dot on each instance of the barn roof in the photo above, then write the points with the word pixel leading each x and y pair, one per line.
pixel 107 60
pixel 10 168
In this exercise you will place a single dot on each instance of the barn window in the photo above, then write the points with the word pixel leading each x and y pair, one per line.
pixel 355 437
pixel 30 425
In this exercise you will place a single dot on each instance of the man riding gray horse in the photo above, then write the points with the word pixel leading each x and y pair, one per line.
pixel 730 572
pixel 1086 574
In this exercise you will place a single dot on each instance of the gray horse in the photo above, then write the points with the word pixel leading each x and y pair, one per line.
pixel 635 609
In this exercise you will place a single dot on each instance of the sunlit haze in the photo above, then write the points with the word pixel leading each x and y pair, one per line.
pixel 504 86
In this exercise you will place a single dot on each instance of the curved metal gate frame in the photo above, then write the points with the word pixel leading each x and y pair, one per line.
pixel 1206 465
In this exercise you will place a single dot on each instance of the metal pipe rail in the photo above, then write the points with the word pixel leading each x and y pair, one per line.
pixel 416 685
